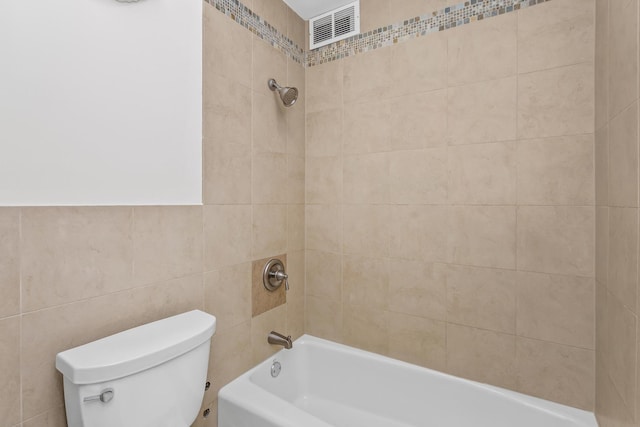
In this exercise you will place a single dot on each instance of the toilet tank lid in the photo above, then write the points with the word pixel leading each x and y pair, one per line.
pixel 136 349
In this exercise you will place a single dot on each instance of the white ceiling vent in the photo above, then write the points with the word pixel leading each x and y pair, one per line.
pixel 335 25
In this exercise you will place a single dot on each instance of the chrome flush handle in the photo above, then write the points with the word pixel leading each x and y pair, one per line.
pixel 105 396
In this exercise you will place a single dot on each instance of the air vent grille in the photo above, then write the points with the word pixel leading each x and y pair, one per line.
pixel 335 25
pixel 323 29
pixel 344 21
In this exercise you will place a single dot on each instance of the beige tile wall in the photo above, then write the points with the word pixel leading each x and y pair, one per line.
pixel 617 332
pixel 450 199
pixel 70 275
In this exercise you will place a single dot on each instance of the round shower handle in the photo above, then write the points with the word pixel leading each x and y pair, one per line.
pixel 274 275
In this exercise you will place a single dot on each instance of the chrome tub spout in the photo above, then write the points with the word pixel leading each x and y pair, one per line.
pixel 279 339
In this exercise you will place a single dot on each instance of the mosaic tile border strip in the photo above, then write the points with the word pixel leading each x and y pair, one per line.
pixel 440 20
pixel 244 16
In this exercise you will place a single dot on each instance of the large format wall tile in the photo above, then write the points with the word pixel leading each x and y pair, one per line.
pixel 471 45
pixel 418 65
pixel 227 293
pixel 483 174
pixel 417 340
pixel 556 102
pixel 602 244
pixel 229 355
pixel 556 308
pixel 296 128
pixel 324 275
pixel 324 133
pixel 367 128
pixel 269 122
pixel 556 34
pixel 323 180
pixel 272 320
pixel 167 242
pixel 360 85
pixel 365 282
pixel 602 63
pixel 481 355
pixel 623 55
pixel 623 153
pixel 227 235
pixel 366 328
pixel 622 277
pixel 366 230
pixel 419 120
pixel 482 236
pixel 295 227
pixel 482 298
pixel 269 230
pixel 273 12
pixel 366 178
pixel 417 288
pixel 10 399
pixel 221 37
pixel 323 318
pixel 616 150
pixel 418 176
pixel 418 232
pixel 9 262
pixel 556 372
pixel 602 166
pixel 227 142
pixel 556 171
pixel 52 418
pixel 482 112
pixel 557 240
pixel 270 178
pixel 324 86
pixel 268 63
pixel 324 227
pixel 69 254
pixel 621 346
pixel 295 183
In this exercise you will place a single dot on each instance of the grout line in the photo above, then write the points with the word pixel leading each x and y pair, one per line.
pixel 517 177
pixel 20 311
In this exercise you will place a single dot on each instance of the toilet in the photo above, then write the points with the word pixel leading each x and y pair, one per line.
pixel 152 375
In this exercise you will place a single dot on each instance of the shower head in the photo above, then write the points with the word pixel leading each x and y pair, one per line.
pixel 289 95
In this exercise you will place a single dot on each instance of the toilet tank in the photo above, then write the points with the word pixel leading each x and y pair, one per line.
pixel 152 375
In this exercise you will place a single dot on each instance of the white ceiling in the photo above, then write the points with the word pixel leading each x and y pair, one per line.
pixel 311 8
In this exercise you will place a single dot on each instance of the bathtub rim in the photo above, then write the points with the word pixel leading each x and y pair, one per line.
pixel 242 390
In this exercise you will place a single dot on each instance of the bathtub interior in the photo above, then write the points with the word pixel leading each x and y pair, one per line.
pixel 347 387
pixel 322 383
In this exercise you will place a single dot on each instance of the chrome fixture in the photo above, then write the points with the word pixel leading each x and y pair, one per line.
pixel 105 396
pixel 276 367
pixel 273 275
pixel 289 95
pixel 279 339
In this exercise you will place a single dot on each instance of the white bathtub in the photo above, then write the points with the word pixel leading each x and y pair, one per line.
pixel 323 384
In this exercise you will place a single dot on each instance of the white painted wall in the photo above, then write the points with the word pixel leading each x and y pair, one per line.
pixel 100 102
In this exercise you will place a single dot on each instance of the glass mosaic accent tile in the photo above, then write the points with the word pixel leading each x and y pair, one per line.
pixel 261 28
pixel 440 20
pixel 418 26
